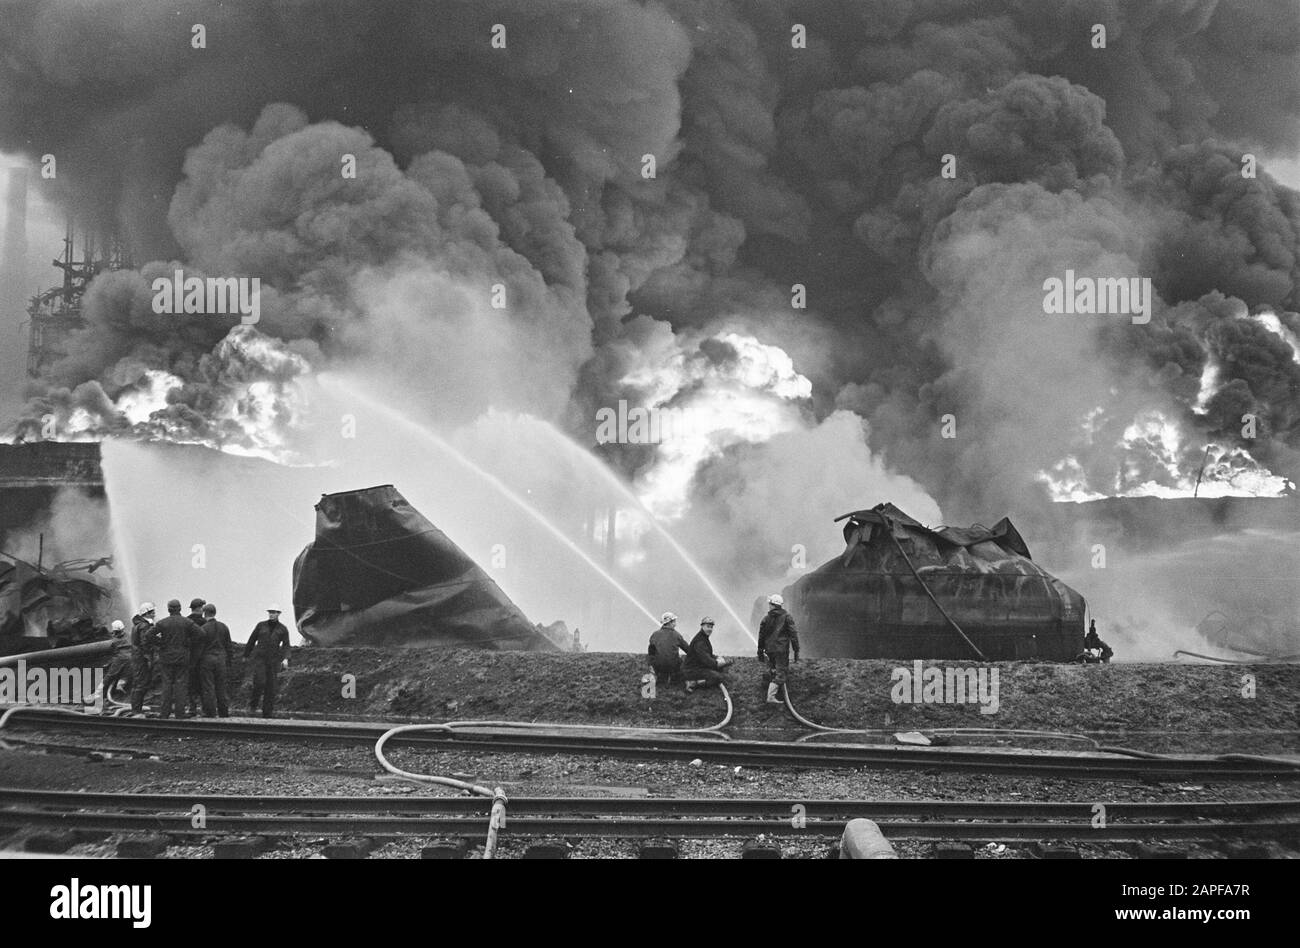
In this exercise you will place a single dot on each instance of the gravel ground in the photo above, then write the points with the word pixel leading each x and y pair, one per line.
pixel 180 765
pixel 1183 708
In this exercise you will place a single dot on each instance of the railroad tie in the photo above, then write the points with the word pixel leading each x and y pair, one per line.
pixel 141 846
pixel 51 841
pixel 760 849
pixel 547 851
pixel 355 848
pixel 952 851
pixel 657 849
pixel 1055 851
pixel 446 849
pixel 239 847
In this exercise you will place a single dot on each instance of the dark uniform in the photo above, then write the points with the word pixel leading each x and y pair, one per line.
pixel 701 665
pixel 143 643
pixel 267 646
pixel 216 654
pixel 198 618
pixel 776 637
pixel 1093 640
pixel 664 643
pixel 119 664
pixel 176 636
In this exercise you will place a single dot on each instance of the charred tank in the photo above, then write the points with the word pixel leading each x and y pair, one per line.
pixel 379 573
pixel 902 590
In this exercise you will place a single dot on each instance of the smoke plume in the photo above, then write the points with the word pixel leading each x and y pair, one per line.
pixel 505 245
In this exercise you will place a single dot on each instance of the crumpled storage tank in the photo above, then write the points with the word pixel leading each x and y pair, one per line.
pixel 872 601
pixel 379 573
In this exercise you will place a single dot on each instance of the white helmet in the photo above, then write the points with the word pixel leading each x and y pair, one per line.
pixel 775 600
pixel 118 625
pixel 145 608
pixel 666 618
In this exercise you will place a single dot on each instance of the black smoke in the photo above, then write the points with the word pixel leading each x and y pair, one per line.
pixel 775 166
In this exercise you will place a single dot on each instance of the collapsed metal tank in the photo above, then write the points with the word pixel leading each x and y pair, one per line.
pixel 379 573
pixel 50 607
pixel 901 590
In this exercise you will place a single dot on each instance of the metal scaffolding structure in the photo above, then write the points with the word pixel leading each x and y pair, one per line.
pixel 55 314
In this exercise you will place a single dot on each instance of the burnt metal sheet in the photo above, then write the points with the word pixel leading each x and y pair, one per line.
pixel 53 604
pixel 866 603
pixel 379 573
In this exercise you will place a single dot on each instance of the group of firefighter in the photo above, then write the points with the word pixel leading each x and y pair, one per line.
pixel 193 657
pixel 778 639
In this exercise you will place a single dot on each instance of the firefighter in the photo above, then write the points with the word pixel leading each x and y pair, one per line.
pixel 1093 641
pixel 176 636
pixel 664 643
pixel 119 662
pixel 777 636
pixel 196 689
pixel 269 648
pixel 702 668
pixel 216 655
pixel 143 644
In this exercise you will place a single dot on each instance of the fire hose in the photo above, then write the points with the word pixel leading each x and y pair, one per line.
pixel 981 731
pixel 1020 732
pixel 499 800
pixel 1238 661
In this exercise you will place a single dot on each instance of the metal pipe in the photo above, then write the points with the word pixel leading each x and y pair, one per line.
pixel 86 649
pixel 495 822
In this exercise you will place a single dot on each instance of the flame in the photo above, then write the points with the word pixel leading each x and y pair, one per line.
pixel 1151 452
pixel 1270 321
pixel 254 403
pixel 149 396
pixel 1210 378
pixel 744 399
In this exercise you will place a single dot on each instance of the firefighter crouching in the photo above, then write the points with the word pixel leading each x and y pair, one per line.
pixel 1093 642
pixel 119 661
pixel 702 668
pixel 664 645
pixel 777 636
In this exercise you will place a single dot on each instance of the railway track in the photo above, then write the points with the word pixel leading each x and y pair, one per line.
pixel 651 746
pixel 426 816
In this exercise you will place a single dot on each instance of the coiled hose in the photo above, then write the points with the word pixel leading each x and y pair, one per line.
pixel 1017 732
pixel 499 801
pixel 980 731
pixel 994 731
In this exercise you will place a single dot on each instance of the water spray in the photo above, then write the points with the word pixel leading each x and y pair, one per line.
pixel 338 387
